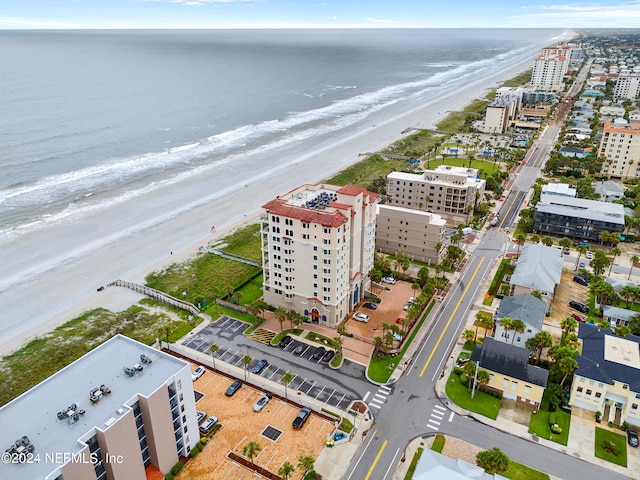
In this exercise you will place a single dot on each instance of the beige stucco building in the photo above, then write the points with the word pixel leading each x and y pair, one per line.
pixel 627 87
pixel 318 247
pixel 451 192
pixel 412 232
pixel 620 147
pixel 550 68
pixel 500 112
pixel 608 375
pixel 121 411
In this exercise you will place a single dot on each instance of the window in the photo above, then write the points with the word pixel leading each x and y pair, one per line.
pixel 505 383
pixel 579 391
pixel 514 385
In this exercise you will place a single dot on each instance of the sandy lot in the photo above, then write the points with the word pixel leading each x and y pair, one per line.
pixel 242 425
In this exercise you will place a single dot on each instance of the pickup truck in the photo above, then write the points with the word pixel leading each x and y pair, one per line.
pixel 298 422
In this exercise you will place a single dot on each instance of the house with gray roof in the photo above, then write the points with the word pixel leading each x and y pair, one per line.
pixel 539 268
pixel 510 372
pixel 576 218
pixel 617 316
pixel 435 465
pixel 526 307
pixel 608 375
pixel 608 190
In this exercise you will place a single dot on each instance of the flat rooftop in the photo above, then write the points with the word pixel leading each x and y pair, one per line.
pixel 35 413
pixel 622 351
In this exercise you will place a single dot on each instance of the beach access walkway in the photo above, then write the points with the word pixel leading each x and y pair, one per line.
pixel 235 257
pixel 157 295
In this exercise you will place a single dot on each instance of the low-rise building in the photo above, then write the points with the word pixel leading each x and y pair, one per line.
pixel 608 375
pixel 436 465
pixel 576 218
pixel 415 233
pixel 609 190
pixel 526 307
pixel 122 411
pixel 617 316
pixel 538 268
pixel 559 189
pixel 451 192
pixel 510 372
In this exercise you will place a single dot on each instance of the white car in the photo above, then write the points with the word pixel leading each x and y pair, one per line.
pixel 361 317
pixel 389 280
pixel 589 255
pixel 262 401
pixel 197 373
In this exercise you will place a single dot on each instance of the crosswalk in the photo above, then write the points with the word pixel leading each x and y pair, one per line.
pixel 380 397
pixel 436 417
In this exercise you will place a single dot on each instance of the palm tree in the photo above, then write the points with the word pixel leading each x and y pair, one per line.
pixel 306 463
pixel 246 361
pixel 285 470
pixel 626 292
pixel 565 242
pixel 518 326
pixel 377 343
pixel 634 259
pixel 507 324
pixel 468 335
pixel 615 251
pixel 535 238
pixel 483 377
pixel 251 450
pixel 547 240
pixel 567 365
pixel 543 340
pixel 292 315
pixel 604 236
pixel 415 287
pixel 568 325
pixel 286 380
pixel 281 316
pixel 214 348
pixel 581 251
pixel 519 239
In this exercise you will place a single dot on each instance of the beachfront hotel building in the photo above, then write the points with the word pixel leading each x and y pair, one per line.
pixel 415 233
pixel 123 411
pixel 500 112
pixel 451 192
pixel 627 87
pixel 550 68
pixel 620 147
pixel 318 247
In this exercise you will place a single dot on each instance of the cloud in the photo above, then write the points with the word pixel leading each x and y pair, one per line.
pixel 379 20
pixel 587 12
pixel 197 3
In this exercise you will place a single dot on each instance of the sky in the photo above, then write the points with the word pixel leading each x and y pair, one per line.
pixel 318 13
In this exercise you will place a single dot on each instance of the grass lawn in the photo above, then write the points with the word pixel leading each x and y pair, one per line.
pixel 244 242
pixel 380 369
pixel 438 443
pixel 620 442
pixel 518 80
pixel 455 122
pixel 517 471
pixel 539 422
pixel 463 161
pixel 414 463
pixel 416 144
pixel 251 291
pixel 482 403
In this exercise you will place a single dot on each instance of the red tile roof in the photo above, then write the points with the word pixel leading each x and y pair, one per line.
pixel 327 219
pixel 354 190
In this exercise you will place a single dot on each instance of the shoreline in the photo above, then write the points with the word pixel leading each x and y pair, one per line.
pixel 168 244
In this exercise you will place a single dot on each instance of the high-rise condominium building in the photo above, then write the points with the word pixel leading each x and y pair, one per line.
pixel 550 67
pixel 627 87
pixel 318 246
pixel 620 147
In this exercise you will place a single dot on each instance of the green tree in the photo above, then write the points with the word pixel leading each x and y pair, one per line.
pixel 615 251
pixel 519 239
pixel 518 326
pixel 423 276
pixel 604 292
pixel 599 262
pixel 251 450
pixel 634 324
pixel 286 470
pixel 565 242
pixel 292 316
pixel 214 348
pixel 470 371
pixel 286 380
pixel 537 294
pixel 483 377
pixel 604 236
pixel 507 324
pixel 306 463
pixel 415 286
pixel 535 238
pixel 246 361
pixel 566 366
pixel 634 259
pixel 581 251
pixel 376 275
pixel 468 335
pixel 547 240
pixel 622 331
pixel 627 292
pixel 568 325
pixel 281 316
pixel 493 461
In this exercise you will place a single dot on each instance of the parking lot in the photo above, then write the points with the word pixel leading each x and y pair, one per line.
pixel 240 425
pixel 304 378
pixel 567 290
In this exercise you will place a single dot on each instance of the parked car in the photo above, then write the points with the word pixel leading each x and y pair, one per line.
pixel 302 417
pixel 632 437
pixel 262 401
pixel 318 353
pixel 578 317
pixel 284 343
pixel 370 305
pixel 208 425
pixel 581 307
pixel 399 319
pixel 327 357
pixel 397 337
pixel 582 266
pixel 299 349
pixel 589 255
pixel 566 251
pixel 361 317
pixel 259 366
pixel 233 388
pixel 389 280
pixel 582 280
pixel 197 373
pixel 201 415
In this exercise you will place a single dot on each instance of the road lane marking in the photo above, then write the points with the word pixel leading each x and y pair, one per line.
pixel 371 437
pixel 451 317
pixel 432 426
pixel 451 416
pixel 375 461
pixel 384 389
pixel 438 407
pixel 391 464
pixel 364 399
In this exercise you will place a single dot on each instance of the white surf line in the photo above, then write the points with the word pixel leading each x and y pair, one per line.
pixel 371 437
pixel 451 416
pixel 364 399
pixel 391 463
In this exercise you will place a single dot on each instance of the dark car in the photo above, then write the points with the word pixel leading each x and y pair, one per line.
pixel 582 280
pixel 370 305
pixel 581 307
pixel 284 343
pixel 233 388
pixel 259 366
pixel 327 357
pixel 318 353
pixel 632 437
pixel 299 350
pixel 302 417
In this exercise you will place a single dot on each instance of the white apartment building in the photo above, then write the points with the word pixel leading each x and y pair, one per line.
pixel 620 147
pixel 318 246
pixel 500 112
pixel 550 67
pixel 627 87
pixel 123 411
pixel 412 232
pixel 451 192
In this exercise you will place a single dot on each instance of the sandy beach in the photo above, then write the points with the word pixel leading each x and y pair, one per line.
pixel 54 297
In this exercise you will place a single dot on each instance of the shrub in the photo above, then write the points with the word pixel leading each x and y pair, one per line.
pixel 458 370
pixel 177 467
pixel 168 476
pixel 552 419
pixel 194 453
pixel 464 379
pixel 610 447
pixel 204 440
pixel 198 446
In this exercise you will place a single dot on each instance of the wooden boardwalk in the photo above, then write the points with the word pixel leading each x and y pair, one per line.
pixel 157 295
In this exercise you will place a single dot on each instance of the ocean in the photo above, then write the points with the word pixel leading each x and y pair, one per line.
pixel 108 134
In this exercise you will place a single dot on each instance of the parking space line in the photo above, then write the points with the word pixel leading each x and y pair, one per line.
pixel 334 391
pixel 274 372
